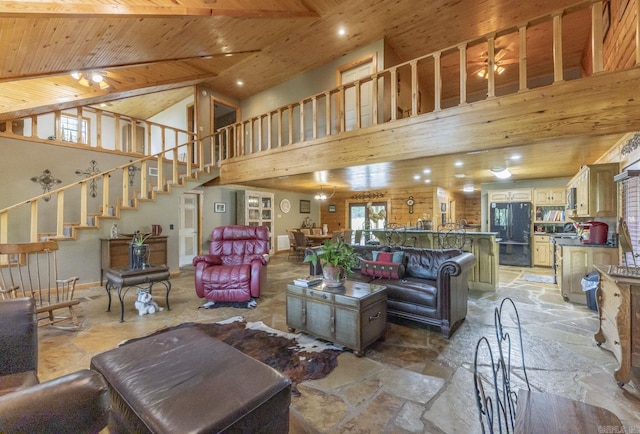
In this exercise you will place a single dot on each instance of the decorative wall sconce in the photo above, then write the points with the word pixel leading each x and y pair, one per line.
pixel 88 173
pixel 367 196
pixel 46 180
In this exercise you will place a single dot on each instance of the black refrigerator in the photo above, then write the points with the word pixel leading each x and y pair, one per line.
pixel 512 222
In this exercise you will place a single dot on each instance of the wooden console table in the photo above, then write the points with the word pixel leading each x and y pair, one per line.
pixel 114 252
pixel 354 316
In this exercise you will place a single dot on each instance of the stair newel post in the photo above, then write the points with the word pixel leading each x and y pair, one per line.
pixel 33 236
pixel 144 188
pixel 175 174
pixel 160 178
pixel 105 194
pixel 83 203
pixel 60 214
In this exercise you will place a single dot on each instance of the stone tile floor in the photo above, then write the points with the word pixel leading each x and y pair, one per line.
pixel 414 381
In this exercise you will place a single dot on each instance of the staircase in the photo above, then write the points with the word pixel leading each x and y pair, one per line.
pixel 124 188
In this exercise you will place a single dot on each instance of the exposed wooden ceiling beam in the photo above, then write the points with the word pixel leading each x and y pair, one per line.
pixel 161 8
pixel 97 97
pixel 128 65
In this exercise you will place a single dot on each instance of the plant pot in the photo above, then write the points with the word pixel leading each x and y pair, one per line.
pixel 333 276
pixel 139 256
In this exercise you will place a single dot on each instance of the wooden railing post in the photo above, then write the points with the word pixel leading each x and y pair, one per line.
pixel 98 129
pixel 522 58
pixel 33 231
pixel 105 195
pixel 83 203
pixel 60 215
pixel 558 75
pixel 596 37
pixel 462 49
pixel 393 90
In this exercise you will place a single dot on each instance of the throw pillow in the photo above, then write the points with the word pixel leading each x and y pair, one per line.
pixel 384 257
pixel 386 270
pixel 374 255
pixel 397 257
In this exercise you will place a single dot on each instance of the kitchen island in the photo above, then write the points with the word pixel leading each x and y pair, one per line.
pixel 484 245
pixel 574 260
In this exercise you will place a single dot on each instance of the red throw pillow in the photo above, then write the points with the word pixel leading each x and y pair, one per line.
pixel 386 270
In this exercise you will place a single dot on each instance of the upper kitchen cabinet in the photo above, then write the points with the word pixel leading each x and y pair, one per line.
pixel 549 196
pixel 595 191
pixel 516 195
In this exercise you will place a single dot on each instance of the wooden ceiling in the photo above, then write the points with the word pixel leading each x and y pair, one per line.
pixel 144 48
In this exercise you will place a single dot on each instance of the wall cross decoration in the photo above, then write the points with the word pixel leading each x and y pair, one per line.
pixel 88 173
pixel 46 180
pixel 131 171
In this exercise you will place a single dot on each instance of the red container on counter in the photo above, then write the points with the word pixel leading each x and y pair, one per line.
pixel 594 232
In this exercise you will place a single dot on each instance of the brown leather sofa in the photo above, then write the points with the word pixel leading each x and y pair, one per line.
pixel 77 402
pixel 429 286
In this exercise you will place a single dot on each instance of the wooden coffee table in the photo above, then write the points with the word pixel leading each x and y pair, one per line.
pixel 354 316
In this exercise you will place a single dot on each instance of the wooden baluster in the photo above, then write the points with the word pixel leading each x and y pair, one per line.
pixel 327 111
pixel 125 186
pixel 522 58
pixel 118 143
pixel 596 37
pixel 144 186
pixel 33 237
pixel 34 125
pixel 357 90
pixel 260 138
pixel 79 127
pixel 270 130
pixel 414 87
pixel 302 133
pixel 99 129
pixel 290 125
pixel 175 175
pixel 58 121
pixel 105 194
pixel 557 48
pixel 374 100
pixel 341 109
pixel 314 117
pixel 393 89
pixel 83 203
pixel 160 177
pixel 4 225
pixel 462 50
pixel 60 215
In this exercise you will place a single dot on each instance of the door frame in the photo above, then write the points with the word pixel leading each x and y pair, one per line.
pixel 369 58
pixel 199 223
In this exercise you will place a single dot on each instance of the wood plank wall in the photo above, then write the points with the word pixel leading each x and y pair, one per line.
pixel 619 42
pixel 466 207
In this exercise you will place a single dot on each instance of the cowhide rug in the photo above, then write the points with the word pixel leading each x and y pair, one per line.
pixel 298 356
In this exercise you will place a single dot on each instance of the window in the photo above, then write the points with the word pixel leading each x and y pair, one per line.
pixel 69 129
pixel 630 213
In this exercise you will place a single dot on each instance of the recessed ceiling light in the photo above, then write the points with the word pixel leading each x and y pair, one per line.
pixel 468 188
pixel 515 157
pixel 427 181
pixel 501 173
pixel 416 177
pixel 426 171
pixel 458 163
pixel 459 175
pixel 342 31
pixel 239 82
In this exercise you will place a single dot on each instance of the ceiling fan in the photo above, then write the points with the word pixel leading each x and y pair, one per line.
pixel 501 59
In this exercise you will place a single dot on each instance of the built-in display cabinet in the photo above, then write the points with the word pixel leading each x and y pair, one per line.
pixel 549 218
pixel 515 195
pixel 255 208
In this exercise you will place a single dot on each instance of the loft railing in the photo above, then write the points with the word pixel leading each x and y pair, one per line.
pixel 417 86
pixel 59 212
pixel 88 127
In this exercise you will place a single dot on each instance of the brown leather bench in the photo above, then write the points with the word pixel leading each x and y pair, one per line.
pixel 186 381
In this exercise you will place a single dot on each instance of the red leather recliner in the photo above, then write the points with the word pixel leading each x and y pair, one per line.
pixel 235 268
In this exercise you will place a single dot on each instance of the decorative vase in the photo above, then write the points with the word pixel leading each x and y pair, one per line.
pixel 333 277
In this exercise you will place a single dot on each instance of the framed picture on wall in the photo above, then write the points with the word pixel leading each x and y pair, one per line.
pixel 219 207
pixel 305 207
pixel 332 208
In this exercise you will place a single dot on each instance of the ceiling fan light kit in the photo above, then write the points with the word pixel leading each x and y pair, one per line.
pixel 87 79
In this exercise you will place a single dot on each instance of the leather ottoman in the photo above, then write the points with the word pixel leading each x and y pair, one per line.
pixel 186 381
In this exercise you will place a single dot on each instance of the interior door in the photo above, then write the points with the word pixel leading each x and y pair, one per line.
pixel 188 231
pixel 350 101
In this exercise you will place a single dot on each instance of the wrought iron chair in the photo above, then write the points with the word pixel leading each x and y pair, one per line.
pixel 493 373
pixel 451 236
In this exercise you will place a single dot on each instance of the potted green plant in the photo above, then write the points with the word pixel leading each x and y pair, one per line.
pixel 139 251
pixel 337 259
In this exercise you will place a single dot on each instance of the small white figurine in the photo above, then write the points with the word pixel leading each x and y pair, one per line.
pixel 145 303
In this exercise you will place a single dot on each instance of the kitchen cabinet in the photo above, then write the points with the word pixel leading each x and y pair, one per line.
pixel 549 196
pixel 517 195
pixel 577 261
pixel 595 190
pixel 255 208
pixel 542 251
pixel 618 299
pixel 114 252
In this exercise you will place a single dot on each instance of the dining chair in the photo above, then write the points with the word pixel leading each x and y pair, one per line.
pixel 346 236
pixel 358 237
pixel 336 236
pixel 306 231
pixel 292 243
pixel 301 243
pixel 316 231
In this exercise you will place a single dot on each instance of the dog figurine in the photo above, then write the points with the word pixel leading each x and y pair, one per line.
pixel 145 303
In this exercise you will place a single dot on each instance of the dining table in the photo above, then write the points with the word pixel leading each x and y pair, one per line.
pixel 318 238
pixel 546 413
